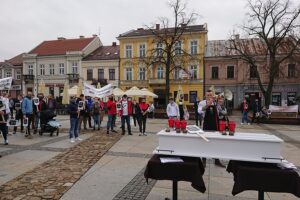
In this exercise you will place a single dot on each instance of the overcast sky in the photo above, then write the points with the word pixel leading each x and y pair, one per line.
pixel 26 23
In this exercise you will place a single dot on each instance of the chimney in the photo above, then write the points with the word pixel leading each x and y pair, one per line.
pixel 157 27
pixel 81 36
pixel 114 44
pixel 61 38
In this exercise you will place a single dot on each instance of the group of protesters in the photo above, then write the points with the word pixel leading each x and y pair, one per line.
pixel 85 109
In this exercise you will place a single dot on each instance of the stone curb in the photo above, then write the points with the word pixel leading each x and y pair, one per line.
pixel 53 178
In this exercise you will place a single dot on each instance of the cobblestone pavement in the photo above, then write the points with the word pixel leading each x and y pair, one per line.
pixel 53 178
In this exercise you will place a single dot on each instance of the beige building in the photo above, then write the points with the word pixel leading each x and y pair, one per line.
pixel 56 61
pixel 102 66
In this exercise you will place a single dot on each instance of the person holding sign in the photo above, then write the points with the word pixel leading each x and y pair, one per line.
pixel 111 111
pixel 39 106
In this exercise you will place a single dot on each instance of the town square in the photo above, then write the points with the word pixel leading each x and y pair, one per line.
pixel 148 100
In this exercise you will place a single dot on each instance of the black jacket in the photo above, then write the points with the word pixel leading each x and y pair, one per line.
pixel 72 110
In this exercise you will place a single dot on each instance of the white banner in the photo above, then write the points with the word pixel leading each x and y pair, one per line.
pixel 5 83
pixel 293 108
pixel 105 91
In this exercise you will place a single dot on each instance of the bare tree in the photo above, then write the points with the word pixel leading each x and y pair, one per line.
pixel 166 37
pixel 274 24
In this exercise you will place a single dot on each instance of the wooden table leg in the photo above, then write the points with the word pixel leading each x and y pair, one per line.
pixel 175 189
pixel 260 195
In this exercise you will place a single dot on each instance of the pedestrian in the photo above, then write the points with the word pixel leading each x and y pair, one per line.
pixel 125 112
pixel 11 106
pixel 222 111
pixel 102 111
pixel 134 112
pixel 181 108
pixel 111 113
pixel 256 112
pixel 89 102
pixel 197 115
pixel 27 109
pixel 244 109
pixel 5 100
pixel 3 121
pixel 19 113
pixel 172 109
pixel 95 112
pixel 82 112
pixel 143 116
pixel 38 110
pixel 211 119
pixel 51 103
pixel 74 120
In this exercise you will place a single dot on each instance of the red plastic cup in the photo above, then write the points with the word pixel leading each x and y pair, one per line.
pixel 177 124
pixel 222 126
pixel 171 122
pixel 183 124
pixel 231 127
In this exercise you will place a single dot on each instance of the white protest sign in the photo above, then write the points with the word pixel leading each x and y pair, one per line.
pixel 5 83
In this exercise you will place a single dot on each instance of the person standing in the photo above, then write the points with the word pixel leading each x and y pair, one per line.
pixel 256 112
pixel 11 106
pixel 211 119
pixel 3 120
pixel 19 113
pixel 143 116
pixel 95 111
pixel 135 112
pixel 27 109
pixel 125 112
pixel 89 102
pixel 102 111
pixel 244 109
pixel 222 111
pixel 197 115
pixel 51 103
pixel 82 112
pixel 172 109
pixel 74 120
pixel 37 110
pixel 111 111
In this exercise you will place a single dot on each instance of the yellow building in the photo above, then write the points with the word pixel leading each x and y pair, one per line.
pixel 136 45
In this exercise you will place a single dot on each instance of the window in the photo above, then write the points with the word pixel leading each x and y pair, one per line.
pixel 193 96
pixel 51 68
pixel 74 67
pixel 100 74
pixel 128 51
pixel 194 47
pixel 276 99
pixel 18 75
pixel 61 68
pixel 7 74
pixel 30 69
pixel 194 72
pixel 112 74
pixel 291 98
pixel 176 73
pixel 142 50
pixel 160 72
pixel 128 74
pixel 89 74
pixel 215 72
pixel 253 72
pixel 230 72
pixel 42 69
pixel 291 70
pixel 159 49
pixel 142 73
pixel 178 48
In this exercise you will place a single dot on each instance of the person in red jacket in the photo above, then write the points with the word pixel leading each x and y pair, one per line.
pixel 143 117
pixel 125 112
pixel 111 111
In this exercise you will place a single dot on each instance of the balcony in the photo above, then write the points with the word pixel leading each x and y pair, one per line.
pixel 28 77
pixel 138 83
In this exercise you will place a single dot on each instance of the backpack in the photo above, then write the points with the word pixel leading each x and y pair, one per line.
pixel 96 109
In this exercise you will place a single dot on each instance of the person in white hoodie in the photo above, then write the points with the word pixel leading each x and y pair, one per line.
pixel 172 109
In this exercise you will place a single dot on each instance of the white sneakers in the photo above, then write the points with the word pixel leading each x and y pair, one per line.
pixel 76 139
pixel 248 124
pixel 72 140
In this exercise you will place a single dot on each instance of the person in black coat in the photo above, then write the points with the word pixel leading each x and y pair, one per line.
pixel 38 110
pixel 256 111
pixel 19 113
pixel 74 120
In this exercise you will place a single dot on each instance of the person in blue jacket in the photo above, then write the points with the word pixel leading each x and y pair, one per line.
pixel 27 110
pixel 74 120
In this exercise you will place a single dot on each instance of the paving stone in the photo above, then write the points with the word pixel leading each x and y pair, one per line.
pixel 51 179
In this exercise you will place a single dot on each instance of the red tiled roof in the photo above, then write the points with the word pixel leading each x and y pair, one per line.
pixel 17 60
pixel 104 53
pixel 60 47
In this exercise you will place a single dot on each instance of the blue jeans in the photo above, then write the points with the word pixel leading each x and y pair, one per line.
pixel 74 122
pixel 245 116
pixel 110 122
pixel 127 120
pixel 96 119
pixel 37 120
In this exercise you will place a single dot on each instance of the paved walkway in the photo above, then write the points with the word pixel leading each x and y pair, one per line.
pixel 119 172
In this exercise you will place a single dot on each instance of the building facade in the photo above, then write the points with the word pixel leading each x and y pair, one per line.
pixel 56 62
pixel 226 70
pixel 136 45
pixel 102 66
pixel 13 68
